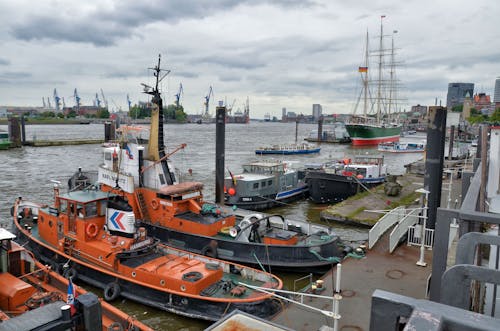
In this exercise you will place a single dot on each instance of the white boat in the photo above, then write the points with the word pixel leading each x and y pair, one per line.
pixel 402 147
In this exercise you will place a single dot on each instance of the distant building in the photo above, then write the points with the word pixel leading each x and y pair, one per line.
pixel 317 111
pixel 457 92
pixel 482 102
pixel 496 93
pixel 283 114
pixel 419 110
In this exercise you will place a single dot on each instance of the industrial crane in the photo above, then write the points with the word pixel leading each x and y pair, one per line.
pixel 57 100
pixel 129 103
pixel 104 99
pixel 229 109
pixel 77 99
pixel 207 100
pixel 97 102
pixel 178 96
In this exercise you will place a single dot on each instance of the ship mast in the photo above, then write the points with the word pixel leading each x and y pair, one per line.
pixel 392 87
pixel 380 64
pixel 365 79
pixel 156 149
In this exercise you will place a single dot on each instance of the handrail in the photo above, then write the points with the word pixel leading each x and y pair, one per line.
pixel 385 222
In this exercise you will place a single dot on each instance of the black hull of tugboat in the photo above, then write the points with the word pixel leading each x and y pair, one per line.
pixel 277 257
pixel 170 302
pixel 331 188
pixel 260 203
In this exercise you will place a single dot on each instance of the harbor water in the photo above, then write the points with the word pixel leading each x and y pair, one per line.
pixel 30 171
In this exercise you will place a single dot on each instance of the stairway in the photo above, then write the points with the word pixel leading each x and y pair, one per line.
pixel 142 206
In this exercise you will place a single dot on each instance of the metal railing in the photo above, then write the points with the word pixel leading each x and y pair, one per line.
pixel 384 224
pixel 403 227
pixel 415 236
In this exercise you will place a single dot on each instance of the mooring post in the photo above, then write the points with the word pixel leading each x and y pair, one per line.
pixel 220 145
pixel 14 132
pixel 23 130
pixel 320 128
pixel 433 179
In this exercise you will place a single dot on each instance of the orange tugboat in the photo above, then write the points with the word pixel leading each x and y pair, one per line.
pixel 78 236
pixel 138 168
pixel 33 297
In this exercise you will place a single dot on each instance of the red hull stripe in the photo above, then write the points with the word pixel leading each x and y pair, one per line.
pixel 373 141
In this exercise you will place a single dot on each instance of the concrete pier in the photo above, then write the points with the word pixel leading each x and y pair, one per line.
pixel 397 273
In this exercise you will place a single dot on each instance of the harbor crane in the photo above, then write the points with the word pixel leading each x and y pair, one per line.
pixel 57 101
pixel 77 99
pixel 207 100
pixel 230 108
pixel 48 103
pixel 104 99
pixel 97 101
pixel 178 96
pixel 44 105
pixel 129 103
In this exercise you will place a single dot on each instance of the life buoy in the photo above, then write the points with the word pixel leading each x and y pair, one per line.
pixel 111 291
pixel 154 204
pixel 91 230
pixel 192 276
pixel 116 326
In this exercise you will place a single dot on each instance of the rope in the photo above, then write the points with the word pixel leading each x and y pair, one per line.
pixel 257 259
pixel 332 259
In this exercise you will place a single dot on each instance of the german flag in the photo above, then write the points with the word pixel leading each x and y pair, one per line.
pixel 363 69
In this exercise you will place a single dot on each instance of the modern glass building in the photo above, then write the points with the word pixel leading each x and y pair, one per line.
pixel 457 93
pixel 496 93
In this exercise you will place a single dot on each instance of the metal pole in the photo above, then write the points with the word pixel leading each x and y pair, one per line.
pixel 337 283
pixel 421 261
pixel 433 180
pixel 220 145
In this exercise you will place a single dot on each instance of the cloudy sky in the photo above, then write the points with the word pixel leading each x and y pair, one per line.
pixel 281 53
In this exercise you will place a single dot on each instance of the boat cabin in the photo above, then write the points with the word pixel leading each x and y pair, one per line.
pixel 14 262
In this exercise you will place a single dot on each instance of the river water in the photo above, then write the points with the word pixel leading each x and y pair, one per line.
pixel 28 172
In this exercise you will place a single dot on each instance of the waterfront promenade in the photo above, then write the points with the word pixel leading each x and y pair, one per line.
pixel 379 269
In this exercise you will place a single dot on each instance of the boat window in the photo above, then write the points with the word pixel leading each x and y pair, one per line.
pixel 255 185
pixel 63 206
pixel 91 209
pixel 107 156
pixel 263 184
pixel 72 209
pixel 79 210
pixel 270 182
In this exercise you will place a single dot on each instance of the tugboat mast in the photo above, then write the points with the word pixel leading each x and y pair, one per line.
pixel 159 153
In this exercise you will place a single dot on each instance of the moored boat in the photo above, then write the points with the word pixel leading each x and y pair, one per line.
pixel 336 181
pixel 4 140
pixel 402 147
pixel 288 149
pixel 264 184
pixel 91 236
pixel 33 297
pixel 138 168
pixel 372 130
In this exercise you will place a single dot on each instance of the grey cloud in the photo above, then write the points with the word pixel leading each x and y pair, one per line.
pixel 104 27
pixel 4 61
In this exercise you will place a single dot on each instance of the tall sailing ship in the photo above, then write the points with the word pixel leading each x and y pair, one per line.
pixel 372 130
